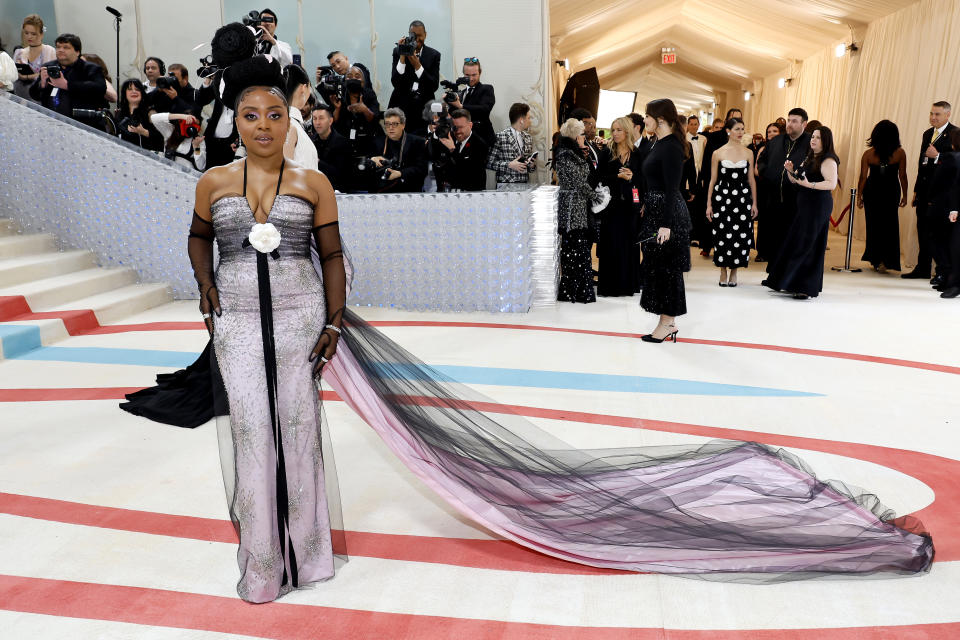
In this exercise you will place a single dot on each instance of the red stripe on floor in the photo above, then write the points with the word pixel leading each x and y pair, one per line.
pixel 148 326
pixel 180 610
pixel 78 393
pixel 501 555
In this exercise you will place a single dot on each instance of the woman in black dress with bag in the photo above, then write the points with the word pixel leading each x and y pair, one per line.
pixel 617 248
pixel 665 225
pixel 798 269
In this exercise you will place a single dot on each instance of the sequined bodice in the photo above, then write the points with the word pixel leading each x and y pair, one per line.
pixel 232 220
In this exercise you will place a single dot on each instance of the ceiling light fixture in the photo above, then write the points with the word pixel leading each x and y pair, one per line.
pixel 784 82
pixel 843 47
pixel 746 96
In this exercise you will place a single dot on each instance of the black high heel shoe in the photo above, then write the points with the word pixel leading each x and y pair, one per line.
pixel 670 336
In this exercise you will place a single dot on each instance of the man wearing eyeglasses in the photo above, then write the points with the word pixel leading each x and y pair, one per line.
pixel 268 44
pixel 406 152
pixel 478 99
pixel 415 78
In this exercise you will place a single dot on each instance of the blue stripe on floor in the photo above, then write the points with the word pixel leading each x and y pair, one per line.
pixel 18 339
pixel 468 375
pixel 102 355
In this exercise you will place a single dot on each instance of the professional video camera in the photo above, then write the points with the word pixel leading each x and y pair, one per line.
pixel 453 88
pixel 408 46
pixel 332 84
pixel 207 67
pixel 252 19
pixel 96 118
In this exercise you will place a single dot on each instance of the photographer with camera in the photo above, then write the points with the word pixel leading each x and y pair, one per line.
pixel 465 162
pixel 133 117
pixel 69 83
pixel 340 64
pixel 402 166
pixel 267 42
pixel 355 113
pixel 512 156
pixel 334 155
pixel 415 75
pixel 474 96
pixel 182 141
pixel 186 100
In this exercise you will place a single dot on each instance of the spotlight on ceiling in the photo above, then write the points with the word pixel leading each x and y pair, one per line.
pixel 746 96
pixel 784 82
pixel 565 63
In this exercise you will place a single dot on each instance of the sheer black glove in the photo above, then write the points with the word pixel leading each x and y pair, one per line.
pixel 335 291
pixel 200 250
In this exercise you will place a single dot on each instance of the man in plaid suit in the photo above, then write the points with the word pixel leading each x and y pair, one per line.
pixel 510 155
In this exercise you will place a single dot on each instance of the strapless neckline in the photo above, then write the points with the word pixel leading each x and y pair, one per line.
pixel 733 165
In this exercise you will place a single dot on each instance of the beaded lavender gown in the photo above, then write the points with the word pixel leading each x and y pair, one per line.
pixel 275 487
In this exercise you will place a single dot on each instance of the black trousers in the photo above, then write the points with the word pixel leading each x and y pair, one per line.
pixel 924 239
pixel 954 244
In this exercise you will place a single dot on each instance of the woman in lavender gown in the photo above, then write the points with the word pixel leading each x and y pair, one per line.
pixel 723 510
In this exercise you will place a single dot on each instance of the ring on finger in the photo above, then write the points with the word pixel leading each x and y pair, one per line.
pixel 206 316
pixel 324 360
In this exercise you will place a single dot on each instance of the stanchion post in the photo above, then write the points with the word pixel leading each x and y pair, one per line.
pixel 846 261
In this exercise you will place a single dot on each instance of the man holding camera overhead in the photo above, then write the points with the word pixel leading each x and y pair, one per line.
pixel 476 97
pixel 415 76
pixel 70 82
pixel 268 43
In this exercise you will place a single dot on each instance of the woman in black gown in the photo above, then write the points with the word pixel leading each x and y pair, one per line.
pixel 765 190
pixel 798 269
pixel 882 192
pixel 619 273
pixel 665 225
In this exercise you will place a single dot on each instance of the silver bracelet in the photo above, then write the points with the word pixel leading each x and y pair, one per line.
pixel 334 327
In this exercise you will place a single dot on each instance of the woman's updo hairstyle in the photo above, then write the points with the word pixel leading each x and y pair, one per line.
pixel 664 109
pixel 293 78
pixel 232 43
pixel 244 76
pixel 572 128
pixel 732 122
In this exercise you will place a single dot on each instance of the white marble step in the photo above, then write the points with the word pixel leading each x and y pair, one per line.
pixel 61 289
pixel 22 245
pixel 43 265
pixel 124 301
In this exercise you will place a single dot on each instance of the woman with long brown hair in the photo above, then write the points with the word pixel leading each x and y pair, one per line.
pixel 34 54
pixel 798 268
pixel 665 226
pixel 619 272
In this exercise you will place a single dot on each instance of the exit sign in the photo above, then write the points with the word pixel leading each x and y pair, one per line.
pixel 668 58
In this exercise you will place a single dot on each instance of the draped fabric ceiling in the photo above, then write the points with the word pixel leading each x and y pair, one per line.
pixel 721 45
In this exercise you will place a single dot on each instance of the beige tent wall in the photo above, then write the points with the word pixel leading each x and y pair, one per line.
pixel 907 61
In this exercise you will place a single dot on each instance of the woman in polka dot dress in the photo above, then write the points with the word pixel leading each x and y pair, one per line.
pixel 733 205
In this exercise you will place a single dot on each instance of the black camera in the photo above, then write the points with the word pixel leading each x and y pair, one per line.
pixel 96 118
pixel 368 167
pixel 408 46
pixel 129 121
pixel 207 68
pixel 252 19
pixel 332 84
pixel 453 88
pixel 443 127
pixel 53 69
pixel 167 82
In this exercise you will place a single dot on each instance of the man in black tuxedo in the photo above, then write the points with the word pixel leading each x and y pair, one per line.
pixel 81 84
pixel 932 234
pixel 464 165
pixel 793 146
pixel 335 157
pixel 220 136
pixel 415 79
pixel 408 152
pixel 478 99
